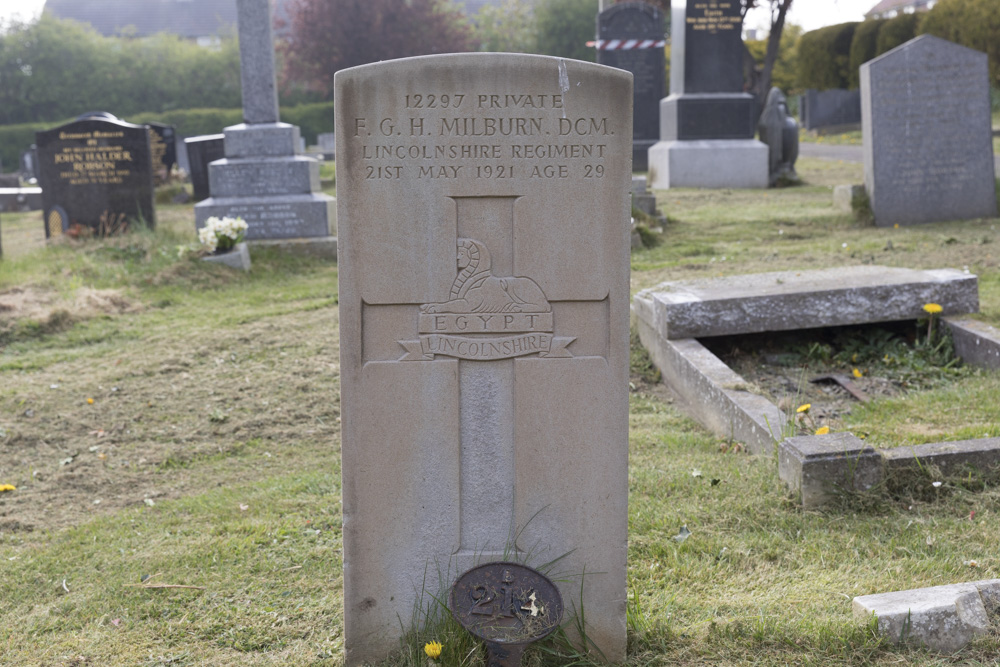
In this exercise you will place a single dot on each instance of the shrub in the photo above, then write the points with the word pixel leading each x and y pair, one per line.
pixel 824 57
pixel 863 47
pixel 896 31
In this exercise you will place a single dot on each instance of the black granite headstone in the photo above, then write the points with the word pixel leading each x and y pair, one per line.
pixel 707 98
pixel 713 58
pixel 162 142
pixel 201 151
pixel 630 36
pixel 830 108
pixel 95 173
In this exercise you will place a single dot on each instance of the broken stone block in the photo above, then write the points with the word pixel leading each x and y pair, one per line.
pixel 943 618
pixel 976 343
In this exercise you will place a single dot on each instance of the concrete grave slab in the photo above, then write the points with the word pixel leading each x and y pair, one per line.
pixel 789 300
pixel 943 618
pixel 484 351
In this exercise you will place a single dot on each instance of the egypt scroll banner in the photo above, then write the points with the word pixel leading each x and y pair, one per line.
pixel 486 349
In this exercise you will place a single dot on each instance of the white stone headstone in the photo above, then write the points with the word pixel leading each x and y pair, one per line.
pixel 483 202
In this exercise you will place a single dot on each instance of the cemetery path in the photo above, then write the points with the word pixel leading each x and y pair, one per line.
pixel 848 153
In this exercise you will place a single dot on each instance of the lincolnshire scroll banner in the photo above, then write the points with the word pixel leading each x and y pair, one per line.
pixel 486 349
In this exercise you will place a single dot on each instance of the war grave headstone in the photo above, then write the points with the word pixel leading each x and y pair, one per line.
pixel 263 178
pixel 484 270
pixel 202 151
pixel 707 124
pixel 631 36
pixel 928 150
pixel 96 173
pixel 163 145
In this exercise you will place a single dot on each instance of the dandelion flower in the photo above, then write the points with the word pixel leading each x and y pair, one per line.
pixel 804 407
pixel 90 401
pixel 7 487
pixel 822 430
pixel 857 373
pixel 433 650
pixel 933 308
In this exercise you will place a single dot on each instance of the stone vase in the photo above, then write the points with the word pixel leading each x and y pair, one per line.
pixel 238 257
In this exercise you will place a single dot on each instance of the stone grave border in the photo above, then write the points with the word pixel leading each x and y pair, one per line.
pixel 816 468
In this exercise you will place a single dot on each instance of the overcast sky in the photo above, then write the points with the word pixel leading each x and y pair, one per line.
pixel 810 14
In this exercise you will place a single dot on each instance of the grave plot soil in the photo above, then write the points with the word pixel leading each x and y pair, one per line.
pixel 127 408
pixel 795 368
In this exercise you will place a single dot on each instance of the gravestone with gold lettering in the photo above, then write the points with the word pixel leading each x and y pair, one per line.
pixel 483 202
pixel 707 123
pixel 96 174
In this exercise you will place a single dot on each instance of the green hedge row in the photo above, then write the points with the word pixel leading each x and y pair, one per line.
pixel 830 57
pixel 312 119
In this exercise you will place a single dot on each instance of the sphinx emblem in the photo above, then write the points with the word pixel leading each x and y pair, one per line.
pixel 486 317
pixel 477 290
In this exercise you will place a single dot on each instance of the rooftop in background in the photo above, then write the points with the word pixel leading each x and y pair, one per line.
pixel 887 9
pixel 192 19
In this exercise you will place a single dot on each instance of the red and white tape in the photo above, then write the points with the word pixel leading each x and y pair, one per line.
pixel 627 44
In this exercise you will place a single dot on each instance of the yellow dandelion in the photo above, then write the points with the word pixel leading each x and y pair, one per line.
pixel 822 430
pixel 7 487
pixel 433 650
pixel 857 373
pixel 90 401
pixel 804 407
pixel 933 308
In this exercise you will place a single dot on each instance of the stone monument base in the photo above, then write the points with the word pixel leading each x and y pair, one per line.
pixel 710 163
pixel 323 247
pixel 289 216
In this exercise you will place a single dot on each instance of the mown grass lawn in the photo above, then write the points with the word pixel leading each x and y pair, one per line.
pixel 207 462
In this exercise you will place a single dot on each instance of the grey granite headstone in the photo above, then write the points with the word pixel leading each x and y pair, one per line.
pixel 263 178
pixel 928 150
pixel 707 122
pixel 630 36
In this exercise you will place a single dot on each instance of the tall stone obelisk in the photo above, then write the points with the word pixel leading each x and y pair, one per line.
pixel 262 178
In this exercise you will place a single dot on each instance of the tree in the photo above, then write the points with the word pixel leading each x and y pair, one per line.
pixel 565 26
pixel 779 9
pixel 508 27
pixel 784 73
pixel 330 35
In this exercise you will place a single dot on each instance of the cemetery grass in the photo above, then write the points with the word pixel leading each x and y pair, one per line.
pixel 212 444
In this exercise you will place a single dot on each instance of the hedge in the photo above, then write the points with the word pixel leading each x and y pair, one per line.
pixel 897 31
pixel 312 119
pixel 864 47
pixel 971 23
pixel 825 57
